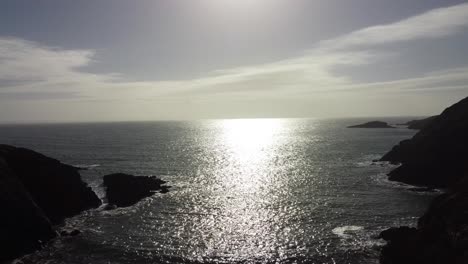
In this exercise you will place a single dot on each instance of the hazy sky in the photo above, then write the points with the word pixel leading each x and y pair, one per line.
pixel 106 60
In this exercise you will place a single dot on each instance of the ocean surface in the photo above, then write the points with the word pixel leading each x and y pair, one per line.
pixel 243 190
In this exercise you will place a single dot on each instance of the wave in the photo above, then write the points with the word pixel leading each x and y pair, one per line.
pixel 343 231
pixel 87 166
pixel 382 180
pixel 374 160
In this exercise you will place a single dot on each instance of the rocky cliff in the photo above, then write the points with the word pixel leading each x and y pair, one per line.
pixel 36 192
pixel 437 156
pixel 441 236
pixel 419 123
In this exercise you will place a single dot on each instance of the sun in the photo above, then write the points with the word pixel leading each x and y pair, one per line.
pixel 242 8
pixel 237 3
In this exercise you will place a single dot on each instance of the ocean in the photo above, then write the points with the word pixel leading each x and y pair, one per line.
pixel 243 190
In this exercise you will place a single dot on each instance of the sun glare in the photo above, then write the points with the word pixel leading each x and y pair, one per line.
pixel 249 137
pixel 249 146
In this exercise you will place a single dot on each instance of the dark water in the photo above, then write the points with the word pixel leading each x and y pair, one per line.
pixel 249 191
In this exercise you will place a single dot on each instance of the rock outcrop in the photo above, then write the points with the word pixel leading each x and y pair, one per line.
pixel 124 190
pixel 419 123
pixel 373 124
pixel 23 225
pixel 437 156
pixel 441 236
pixel 36 192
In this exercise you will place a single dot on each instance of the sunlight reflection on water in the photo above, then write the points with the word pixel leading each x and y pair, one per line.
pixel 244 191
pixel 251 147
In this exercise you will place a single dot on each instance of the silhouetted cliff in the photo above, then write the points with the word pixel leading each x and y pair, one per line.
pixel 441 236
pixel 35 193
pixel 419 123
pixel 437 155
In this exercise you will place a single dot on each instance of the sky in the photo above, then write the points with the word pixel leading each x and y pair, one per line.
pixel 118 60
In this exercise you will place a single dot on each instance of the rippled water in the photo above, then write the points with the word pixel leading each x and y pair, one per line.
pixel 249 191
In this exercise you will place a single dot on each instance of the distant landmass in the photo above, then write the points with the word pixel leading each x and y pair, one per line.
pixel 437 156
pixel 419 124
pixel 373 124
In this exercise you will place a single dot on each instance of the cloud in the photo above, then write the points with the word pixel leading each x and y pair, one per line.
pixel 52 73
pixel 312 72
pixel 26 65
pixel 436 23
pixel 44 95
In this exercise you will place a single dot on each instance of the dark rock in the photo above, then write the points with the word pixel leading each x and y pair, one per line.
pixel 397 233
pixel 372 124
pixel 421 189
pixel 108 207
pixel 73 232
pixel 441 236
pixel 35 193
pixel 419 123
pixel 437 156
pixel 164 189
pixel 56 188
pixel 23 225
pixel 125 190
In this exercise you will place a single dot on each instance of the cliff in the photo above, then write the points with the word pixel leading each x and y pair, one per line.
pixel 437 156
pixel 36 192
pixel 419 123
pixel 441 236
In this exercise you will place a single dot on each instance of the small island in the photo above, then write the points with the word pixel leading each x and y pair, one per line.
pixel 373 124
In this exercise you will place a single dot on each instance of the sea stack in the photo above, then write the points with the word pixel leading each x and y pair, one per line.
pixel 124 190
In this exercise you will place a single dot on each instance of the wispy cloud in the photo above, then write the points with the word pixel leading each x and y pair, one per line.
pixel 433 24
pixel 31 67
pixel 27 66
pixel 313 72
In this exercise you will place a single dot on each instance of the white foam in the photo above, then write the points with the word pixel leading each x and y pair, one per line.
pixel 87 166
pixel 343 231
pixel 382 180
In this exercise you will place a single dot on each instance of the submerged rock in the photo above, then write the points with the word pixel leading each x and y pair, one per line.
pixel 124 190
pixel 437 156
pixel 36 192
pixel 71 233
pixel 373 124
pixel 422 189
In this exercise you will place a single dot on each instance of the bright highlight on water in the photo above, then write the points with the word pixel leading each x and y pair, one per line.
pixel 255 190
